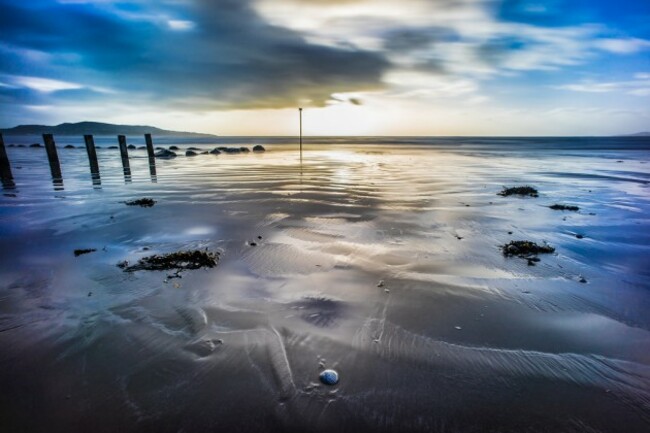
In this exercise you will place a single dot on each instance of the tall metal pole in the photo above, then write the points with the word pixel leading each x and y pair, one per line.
pixel 300 111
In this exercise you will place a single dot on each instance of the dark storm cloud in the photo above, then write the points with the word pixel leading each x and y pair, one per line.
pixel 495 51
pixel 411 39
pixel 222 55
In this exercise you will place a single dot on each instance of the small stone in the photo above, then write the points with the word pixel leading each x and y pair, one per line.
pixel 578 236
pixel 380 283
pixel 329 377
pixel 252 244
pixel 582 280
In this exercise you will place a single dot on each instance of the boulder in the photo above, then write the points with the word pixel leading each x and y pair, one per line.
pixel 68 146
pixel 215 151
pixel 35 145
pixel 244 149
pixel 130 146
pixel 259 148
pixel 173 148
pixel 165 154
pixel 190 153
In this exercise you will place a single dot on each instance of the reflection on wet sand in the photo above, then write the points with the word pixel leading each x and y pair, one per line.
pixel 360 259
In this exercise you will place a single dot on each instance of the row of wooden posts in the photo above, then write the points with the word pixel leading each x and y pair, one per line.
pixel 55 166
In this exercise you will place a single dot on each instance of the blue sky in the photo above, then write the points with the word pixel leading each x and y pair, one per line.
pixel 408 67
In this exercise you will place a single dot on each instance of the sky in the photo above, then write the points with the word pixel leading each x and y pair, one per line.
pixel 358 67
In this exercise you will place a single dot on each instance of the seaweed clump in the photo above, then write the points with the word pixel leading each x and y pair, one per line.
pixel 178 261
pixel 525 249
pixel 142 202
pixel 519 190
pixel 79 252
pixel 565 207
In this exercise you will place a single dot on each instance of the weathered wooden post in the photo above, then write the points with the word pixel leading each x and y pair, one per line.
pixel 125 156
pixel 53 158
pixel 152 156
pixel 92 159
pixel 5 168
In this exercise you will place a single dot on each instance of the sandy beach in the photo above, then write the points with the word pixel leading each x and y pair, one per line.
pixel 379 258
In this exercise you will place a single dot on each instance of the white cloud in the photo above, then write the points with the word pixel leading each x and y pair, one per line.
pixel 622 45
pixel 180 25
pixel 45 85
pixel 639 86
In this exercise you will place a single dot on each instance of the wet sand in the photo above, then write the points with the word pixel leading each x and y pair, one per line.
pixel 456 338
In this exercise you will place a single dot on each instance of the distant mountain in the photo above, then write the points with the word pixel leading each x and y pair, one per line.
pixel 95 128
pixel 639 134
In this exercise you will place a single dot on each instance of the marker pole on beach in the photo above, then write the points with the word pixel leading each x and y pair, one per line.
pixel 5 168
pixel 125 155
pixel 300 114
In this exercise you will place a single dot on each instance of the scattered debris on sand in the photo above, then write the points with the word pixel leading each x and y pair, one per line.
pixel 79 252
pixel 519 190
pixel 142 202
pixel 565 207
pixel 178 261
pixel 526 250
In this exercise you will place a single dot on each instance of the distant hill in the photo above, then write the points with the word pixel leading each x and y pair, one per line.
pixel 639 134
pixel 95 128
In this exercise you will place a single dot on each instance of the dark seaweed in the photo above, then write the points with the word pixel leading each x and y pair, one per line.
pixel 564 207
pixel 524 249
pixel 79 252
pixel 179 261
pixel 519 190
pixel 142 202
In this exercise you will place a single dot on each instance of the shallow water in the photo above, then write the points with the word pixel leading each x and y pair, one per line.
pixel 457 338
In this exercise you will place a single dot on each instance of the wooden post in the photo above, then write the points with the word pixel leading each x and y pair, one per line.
pixel 152 156
pixel 53 158
pixel 92 159
pixel 5 168
pixel 125 155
